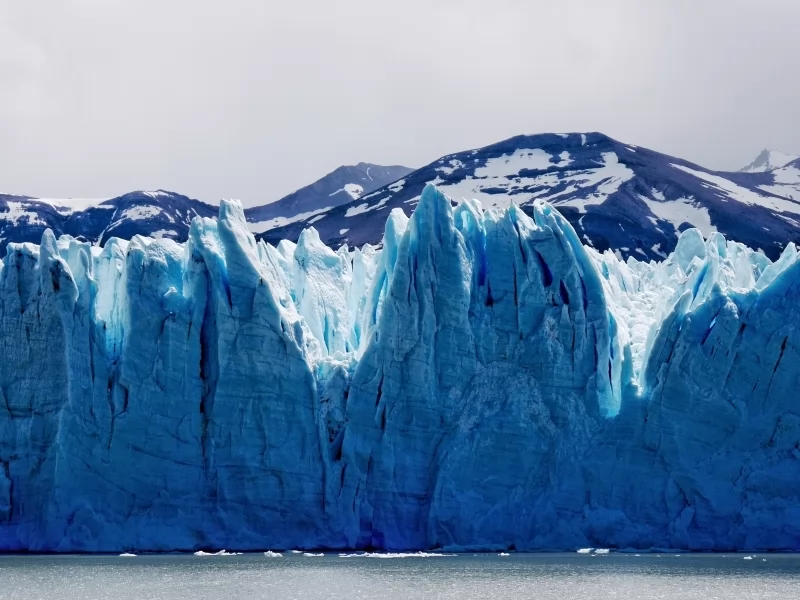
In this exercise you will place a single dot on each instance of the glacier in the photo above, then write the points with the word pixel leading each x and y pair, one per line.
pixel 479 381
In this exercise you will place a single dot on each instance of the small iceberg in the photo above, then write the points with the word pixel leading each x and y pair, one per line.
pixel 271 554
pixel 312 554
pixel 602 551
pixel 127 555
pixel 585 550
pixel 504 554
pixel 220 553
pixel 748 558
pixel 297 551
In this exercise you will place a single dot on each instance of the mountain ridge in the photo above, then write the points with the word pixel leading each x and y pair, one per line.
pixel 158 213
pixel 616 195
pixel 769 160
pixel 168 214
pixel 343 184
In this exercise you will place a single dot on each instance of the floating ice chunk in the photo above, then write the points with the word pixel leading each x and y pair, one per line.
pixel 127 555
pixel 271 554
pixel 312 554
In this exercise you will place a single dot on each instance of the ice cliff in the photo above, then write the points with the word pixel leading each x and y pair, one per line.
pixel 481 381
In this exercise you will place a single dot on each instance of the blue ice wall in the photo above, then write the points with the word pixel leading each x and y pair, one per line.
pixel 482 381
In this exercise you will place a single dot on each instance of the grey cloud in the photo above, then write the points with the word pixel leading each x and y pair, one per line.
pixel 254 98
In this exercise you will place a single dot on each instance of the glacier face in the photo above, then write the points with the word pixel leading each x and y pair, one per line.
pixel 481 381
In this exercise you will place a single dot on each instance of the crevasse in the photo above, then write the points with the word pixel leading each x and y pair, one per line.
pixel 480 381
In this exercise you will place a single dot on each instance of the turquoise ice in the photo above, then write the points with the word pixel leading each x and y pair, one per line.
pixel 480 381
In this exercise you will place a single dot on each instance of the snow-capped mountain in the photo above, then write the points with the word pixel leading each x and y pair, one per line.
pixel 769 160
pixel 345 184
pixel 157 214
pixel 616 196
pixel 167 214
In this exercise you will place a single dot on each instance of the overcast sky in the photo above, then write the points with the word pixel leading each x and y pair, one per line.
pixel 252 99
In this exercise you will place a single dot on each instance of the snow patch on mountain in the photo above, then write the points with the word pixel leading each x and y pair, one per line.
pixel 505 175
pixel 359 209
pixel 71 205
pixel 788 175
pixel 156 194
pixel 262 226
pixel 454 165
pixel 786 182
pixel 606 179
pixel 140 213
pixel 683 211
pixel 397 185
pixel 351 189
pixel 742 194
pixel 18 211
pixel 164 233
pixel 509 165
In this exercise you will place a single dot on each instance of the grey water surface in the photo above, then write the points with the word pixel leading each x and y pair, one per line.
pixel 540 576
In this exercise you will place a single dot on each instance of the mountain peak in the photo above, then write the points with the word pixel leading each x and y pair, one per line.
pixel 769 160
pixel 617 196
pixel 341 186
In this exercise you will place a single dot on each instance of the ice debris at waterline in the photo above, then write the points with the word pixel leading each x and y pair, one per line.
pixel 483 381
pixel 395 555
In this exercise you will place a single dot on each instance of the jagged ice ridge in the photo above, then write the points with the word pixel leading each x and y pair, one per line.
pixel 481 381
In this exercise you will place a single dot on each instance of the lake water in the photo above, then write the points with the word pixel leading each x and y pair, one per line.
pixel 540 576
